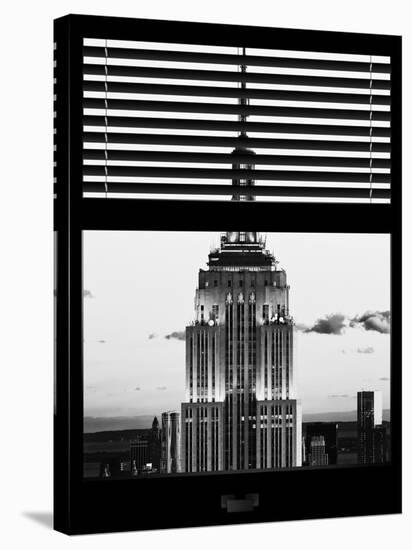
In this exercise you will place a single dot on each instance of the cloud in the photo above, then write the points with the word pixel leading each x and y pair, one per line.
pixel 368 349
pixel 384 379
pixel 331 324
pixel 177 335
pixel 378 321
pixel 152 335
pixel 335 323
pixel 161 388
pixel 339 396
pixel 87 294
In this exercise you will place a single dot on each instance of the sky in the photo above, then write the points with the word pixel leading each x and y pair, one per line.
pixel 139 292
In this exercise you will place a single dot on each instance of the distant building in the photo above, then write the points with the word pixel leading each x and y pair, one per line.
pixel 170 443
pixel 317 455
pixel 379 444
pixel 125 466
pixel 329 431
pixel 115 468
pixel 155 445
pixel 303 450
pixel 370 427
pixel 139 454
pixel 105 470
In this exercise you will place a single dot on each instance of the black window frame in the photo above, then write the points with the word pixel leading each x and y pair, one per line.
pixel 98 506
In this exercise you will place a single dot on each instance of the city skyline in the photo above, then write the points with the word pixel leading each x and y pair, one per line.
pixel 134 351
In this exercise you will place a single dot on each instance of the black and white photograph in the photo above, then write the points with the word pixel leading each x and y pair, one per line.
pixel 227 287
pixel 283 358
pixel 205 249
pixel 220 352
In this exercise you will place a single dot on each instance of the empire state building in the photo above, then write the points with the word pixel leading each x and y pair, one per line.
pixel 240 410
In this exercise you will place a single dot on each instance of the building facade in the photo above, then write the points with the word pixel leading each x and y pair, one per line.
pixel 240 410
pixel 369 427
pixel 329 431
pixel 317 455
pixel 139 454
pixel 380 444
pixel 155 445
pixel 170 462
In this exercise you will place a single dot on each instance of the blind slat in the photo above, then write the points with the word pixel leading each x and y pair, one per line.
pixel 235 76
pixel 215 108
pixel 232 142
pixel 218 173
pixel 234 126
pixel 233 59
pixel 219 158
pixel 258 190
pixel 220 91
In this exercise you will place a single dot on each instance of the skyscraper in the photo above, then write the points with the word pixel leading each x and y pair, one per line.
pixel 369 417
pixel 155 445
pixel 329 431
pixel 241 410
pixel 317 451
pixel 170 443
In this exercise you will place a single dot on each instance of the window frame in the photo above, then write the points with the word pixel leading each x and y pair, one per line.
pixel 84 507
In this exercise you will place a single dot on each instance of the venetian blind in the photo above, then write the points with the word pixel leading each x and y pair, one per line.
pixel 177 121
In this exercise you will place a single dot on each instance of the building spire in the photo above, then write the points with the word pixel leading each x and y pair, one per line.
pixel 243 101
pixel 241 151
